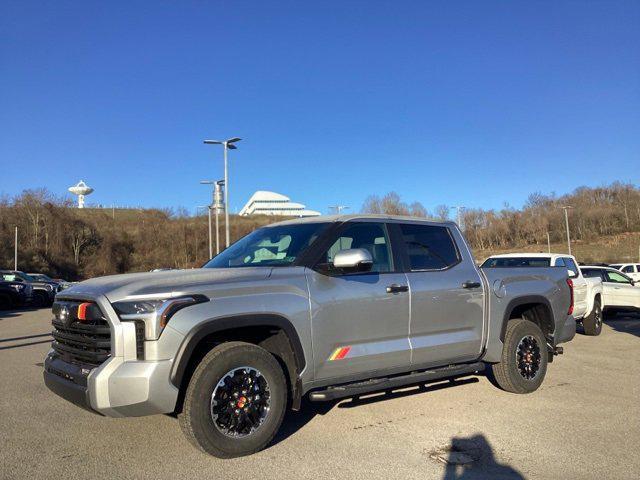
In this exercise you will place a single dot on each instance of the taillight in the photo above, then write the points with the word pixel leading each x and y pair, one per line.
pixel 570 283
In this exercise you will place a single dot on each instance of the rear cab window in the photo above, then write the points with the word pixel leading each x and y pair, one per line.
pixel 429 247
pixel 571 267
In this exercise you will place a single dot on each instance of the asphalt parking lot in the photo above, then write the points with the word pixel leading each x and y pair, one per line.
pixel 583 423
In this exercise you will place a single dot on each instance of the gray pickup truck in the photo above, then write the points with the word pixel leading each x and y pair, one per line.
pixel 325 307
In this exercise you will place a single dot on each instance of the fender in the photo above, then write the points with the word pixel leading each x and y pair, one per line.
pixel 516 302
pixel 214 325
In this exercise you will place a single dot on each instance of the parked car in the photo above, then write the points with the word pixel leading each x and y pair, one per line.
pixel 60 283
pixel 631 270
pixel 621 292
pixel 15 294
pixel 327 307
pixel 43 292
pixel 588 299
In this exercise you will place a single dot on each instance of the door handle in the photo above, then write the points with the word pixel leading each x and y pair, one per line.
pixel 395 288
pixel 471 284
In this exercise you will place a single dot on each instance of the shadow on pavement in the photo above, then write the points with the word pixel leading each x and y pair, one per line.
pixel 26 337
pixel 9 347
pixel 5 314
pixel 627 323
pixel 294 421
pixel 473 458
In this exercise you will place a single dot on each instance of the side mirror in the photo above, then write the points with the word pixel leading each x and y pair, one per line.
pixel 353 260
pixel 571 273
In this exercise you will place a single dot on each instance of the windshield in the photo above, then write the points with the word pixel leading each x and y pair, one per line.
pixel 12 276
pixel 269 246
pixel 40 277
pixel 517 262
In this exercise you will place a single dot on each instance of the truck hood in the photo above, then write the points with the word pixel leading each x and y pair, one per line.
pixel 164 284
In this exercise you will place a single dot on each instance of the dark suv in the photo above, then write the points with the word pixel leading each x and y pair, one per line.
pixel 15 294
pixel 43 292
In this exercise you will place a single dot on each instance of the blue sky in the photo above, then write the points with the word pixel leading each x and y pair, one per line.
pixel 461 103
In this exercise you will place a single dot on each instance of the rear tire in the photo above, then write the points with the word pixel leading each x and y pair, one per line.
pixel 593 323
pixel 524 358
pixel 235 401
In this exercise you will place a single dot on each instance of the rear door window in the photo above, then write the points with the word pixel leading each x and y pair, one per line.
pixel 593 273
pixel 628 269
pixel 429 247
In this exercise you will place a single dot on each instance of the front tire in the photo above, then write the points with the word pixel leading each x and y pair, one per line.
pixel 235 401
pixel 524 358
pixel 593 323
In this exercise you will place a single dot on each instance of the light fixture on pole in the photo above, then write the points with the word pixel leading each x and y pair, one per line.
pixel 227 145
pixel 338 208
pixel 566 222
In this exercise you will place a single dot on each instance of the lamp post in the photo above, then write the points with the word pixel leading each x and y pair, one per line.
pixel 459 208
pixel 566 222
pixel 208 207
pixel 227 145
pixel 209 182
pixel 217 202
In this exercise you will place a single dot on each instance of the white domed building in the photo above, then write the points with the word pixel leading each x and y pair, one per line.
pixel 272 203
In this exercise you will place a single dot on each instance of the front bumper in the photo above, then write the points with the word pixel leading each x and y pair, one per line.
pixel 115 388
pixel 123 385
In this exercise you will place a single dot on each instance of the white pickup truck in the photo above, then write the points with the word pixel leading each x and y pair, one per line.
pixel 588 298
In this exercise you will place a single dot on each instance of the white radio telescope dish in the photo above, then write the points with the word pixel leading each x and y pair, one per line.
pixel 81 189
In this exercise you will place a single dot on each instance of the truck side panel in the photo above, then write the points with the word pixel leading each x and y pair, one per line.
pixel 510 288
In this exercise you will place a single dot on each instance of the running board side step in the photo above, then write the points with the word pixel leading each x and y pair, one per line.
pixel 387 383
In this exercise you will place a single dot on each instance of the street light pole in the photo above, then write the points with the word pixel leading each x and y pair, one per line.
pixel 548 243
pixel 209 182
pixel 227 145
pixel 566 222
pixel 208 207
pixel 15 251
pixel 216 206
pixel 459 217
pixel 226 196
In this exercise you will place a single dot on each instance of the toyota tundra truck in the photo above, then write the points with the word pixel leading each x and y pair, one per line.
pixel 588 293
pixel 321 308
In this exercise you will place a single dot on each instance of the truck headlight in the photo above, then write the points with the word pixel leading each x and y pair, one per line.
pixel 18 288
pixel 156 311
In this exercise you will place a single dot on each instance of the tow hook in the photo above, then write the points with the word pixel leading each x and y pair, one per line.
pixel 553 351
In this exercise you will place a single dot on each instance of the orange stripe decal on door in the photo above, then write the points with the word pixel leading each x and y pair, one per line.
pixel 339 353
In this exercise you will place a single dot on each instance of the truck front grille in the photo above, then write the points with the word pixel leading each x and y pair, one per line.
pixel 81 341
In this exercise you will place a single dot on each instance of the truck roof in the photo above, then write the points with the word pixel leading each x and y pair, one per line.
pixel 535 255
pixel 354 216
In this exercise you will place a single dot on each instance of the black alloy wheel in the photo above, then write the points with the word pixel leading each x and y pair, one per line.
pixel 240 402
pixel 528 357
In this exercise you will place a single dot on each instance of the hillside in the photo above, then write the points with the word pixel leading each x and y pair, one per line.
pixel 58 239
